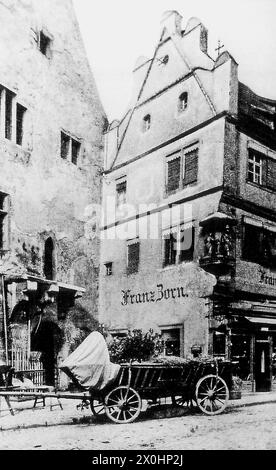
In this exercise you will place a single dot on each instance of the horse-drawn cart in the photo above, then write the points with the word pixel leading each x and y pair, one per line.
pixel 118 390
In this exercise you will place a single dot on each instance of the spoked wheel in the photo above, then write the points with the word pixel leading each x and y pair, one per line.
pixel 182 401
pixel 212 394
pixel 97 407
pixel 123 405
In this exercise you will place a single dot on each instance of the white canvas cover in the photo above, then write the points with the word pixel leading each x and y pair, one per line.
pixel 90 364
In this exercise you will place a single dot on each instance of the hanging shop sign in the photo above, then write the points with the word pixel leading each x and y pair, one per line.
pixel 160 294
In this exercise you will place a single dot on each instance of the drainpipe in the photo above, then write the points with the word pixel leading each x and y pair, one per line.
pixel 5 317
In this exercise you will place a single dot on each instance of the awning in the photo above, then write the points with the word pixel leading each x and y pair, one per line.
pixel 216 218
pixel 264 321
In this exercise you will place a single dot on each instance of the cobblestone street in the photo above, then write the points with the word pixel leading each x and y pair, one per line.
pixel 251 427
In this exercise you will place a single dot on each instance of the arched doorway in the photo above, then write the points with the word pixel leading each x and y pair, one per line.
pixel 47 339
pixel 49 263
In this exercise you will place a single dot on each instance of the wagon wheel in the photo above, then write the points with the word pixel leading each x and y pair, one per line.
pixel 123 405
pixel 97 407
pixel 211 394
pixel 183 401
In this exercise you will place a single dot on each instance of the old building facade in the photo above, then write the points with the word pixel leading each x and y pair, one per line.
pixel 188 237
pixel 51 144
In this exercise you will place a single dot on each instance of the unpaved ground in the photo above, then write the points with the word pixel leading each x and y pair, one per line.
pixel 242 428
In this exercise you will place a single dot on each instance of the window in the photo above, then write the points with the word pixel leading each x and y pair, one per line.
pixel 259 244
pixel 261 170
pixel 8 114
pixel 146 123
pixel 69 148
pixel 183 163
pixel 178 244
pixel 133 256
pixel 255 167
pixel 3 220
pixel 182 102
pixel 108 269
pixel 75 151
pixel 49 259
pixel 20 111
pixel 121 193
pixel 44 44
pixel 172 340
pixel 13 116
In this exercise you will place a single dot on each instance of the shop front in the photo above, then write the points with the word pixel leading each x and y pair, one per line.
pixel 249 341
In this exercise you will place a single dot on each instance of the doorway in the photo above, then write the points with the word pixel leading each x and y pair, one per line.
pixel 263 371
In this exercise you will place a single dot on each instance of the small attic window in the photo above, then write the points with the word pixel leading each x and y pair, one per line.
pixel 44 44
pixel 163 60
pixel 182 102
pixel 146 123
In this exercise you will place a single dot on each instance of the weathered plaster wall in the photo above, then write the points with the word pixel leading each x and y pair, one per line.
pixel 50 196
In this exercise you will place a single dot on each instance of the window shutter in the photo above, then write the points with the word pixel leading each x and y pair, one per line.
pixel 173 174
pixel 191 167
pixel 133 257
pixel 271 174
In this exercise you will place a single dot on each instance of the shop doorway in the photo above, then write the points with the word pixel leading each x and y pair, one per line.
pixel 263 372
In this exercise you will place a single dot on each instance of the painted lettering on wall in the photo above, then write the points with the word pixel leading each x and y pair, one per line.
pixel 268 279
pixel 158 295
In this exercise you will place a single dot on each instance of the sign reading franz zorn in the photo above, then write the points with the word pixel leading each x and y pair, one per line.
pixel 152 296
pixel 267 278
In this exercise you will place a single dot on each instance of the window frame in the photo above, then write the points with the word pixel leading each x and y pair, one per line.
pixel 182 98
pixel 178 229
pixel 146 123
pixel 69 153
pixel 181 153
pixel 129 268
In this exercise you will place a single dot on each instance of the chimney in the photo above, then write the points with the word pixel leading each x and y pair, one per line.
pixel 171 21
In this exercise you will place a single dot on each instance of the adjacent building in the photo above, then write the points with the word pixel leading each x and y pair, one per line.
pixel 189 230
pixel 51 141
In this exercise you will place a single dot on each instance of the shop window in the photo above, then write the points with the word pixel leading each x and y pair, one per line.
pixel 178 244
pixel 20 112
pixel 108 269
pixel 133 257
pixel 121 189
pixel 182 102
pixel 219 343
pixel 240 354
pixel 183 163
pixel 171 343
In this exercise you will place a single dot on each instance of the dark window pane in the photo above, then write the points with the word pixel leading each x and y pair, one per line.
pixel 121 193
pixel 44 43
pixel 170 249
pixel 173 174
pixel 64 145
pixel 252 243
pixel 75 151
pixel 187 244
pixel 20 111
pixel 8 115
pixel 133 257
pixel 191 167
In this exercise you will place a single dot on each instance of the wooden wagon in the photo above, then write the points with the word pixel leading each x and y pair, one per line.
pixel 206 384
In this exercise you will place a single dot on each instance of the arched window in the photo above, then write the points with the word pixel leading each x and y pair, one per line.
pixel 49 259
pixel 182 102
pixel 146 123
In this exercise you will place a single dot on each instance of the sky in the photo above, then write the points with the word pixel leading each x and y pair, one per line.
pixel 117 32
